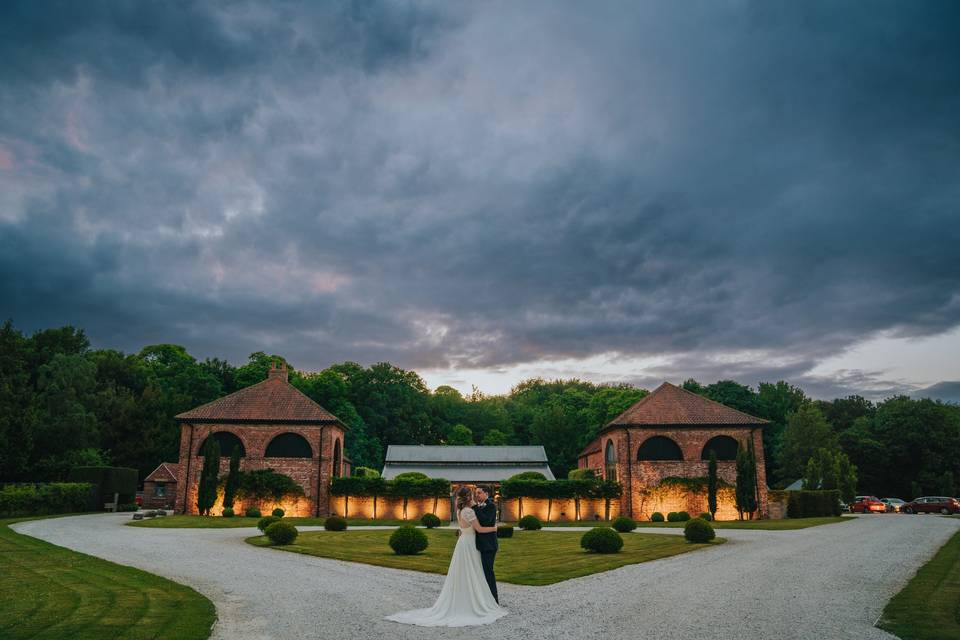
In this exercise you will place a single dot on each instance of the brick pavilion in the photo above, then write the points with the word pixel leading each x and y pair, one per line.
pixel 276 427
pixel 668 435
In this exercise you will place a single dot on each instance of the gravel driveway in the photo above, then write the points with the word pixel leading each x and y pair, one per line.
pixel 825 582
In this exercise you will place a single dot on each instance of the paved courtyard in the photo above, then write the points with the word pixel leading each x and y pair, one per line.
pixel 825 582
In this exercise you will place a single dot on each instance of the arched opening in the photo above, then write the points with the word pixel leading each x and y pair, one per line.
pixel 610 461
pixel 227 442
pixel 724 446
pixel 659 448
pixel 289 445
pixel 336 459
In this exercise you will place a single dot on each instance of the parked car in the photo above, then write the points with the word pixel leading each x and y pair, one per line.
pixel 933 504
pixel 894 505
pixel 867 504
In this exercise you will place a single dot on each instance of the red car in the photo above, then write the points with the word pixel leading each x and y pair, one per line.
pixel 933 504
pixel 867 504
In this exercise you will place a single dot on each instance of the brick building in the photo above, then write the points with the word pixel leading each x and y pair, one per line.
pixel 276 427
pixel 160 487
pixel 668 435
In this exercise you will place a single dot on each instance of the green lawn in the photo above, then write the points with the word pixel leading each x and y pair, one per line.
pixel 765 525
pixel 928 608
pixel 212 522
pixel 530 557
pixel 48 592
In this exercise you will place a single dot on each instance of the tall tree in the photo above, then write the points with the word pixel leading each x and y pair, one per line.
pixel 712 485
pixel 233 479
pixel 209 477
pixel 806 432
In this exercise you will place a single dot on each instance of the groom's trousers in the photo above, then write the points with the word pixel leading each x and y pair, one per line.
pixel 486 559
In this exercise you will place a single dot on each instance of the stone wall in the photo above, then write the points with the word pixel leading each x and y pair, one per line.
pixel 557 510
pixel 390 508
pixel 313 474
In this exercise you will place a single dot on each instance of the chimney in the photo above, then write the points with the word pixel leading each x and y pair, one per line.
pixel 277 371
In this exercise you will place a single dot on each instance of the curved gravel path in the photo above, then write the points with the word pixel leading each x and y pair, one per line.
pixel 824 582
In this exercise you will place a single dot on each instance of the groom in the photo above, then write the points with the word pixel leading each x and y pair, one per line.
pixel 487 542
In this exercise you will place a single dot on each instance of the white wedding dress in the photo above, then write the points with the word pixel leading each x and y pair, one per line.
pixel 465 598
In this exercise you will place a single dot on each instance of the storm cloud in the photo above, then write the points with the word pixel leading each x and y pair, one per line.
pixel 485 184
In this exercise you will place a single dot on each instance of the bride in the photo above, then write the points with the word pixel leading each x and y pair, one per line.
pixel 465 598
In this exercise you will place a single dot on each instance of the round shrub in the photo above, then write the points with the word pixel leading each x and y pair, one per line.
pixel 430 520
pixel 252 512
pixel 335 523
pixel 281 532
pixel 266 521
pixel 278 512
pixel 623 524
pixel 656 517
pixel 504 531
pixel 673 516
pixel 528 475
pixel 706 517
pixel 408 541
pixel 682 516
pixel 228 513
pixel 602 540
pixel 698 530
pixel 412 475
pixel 530 523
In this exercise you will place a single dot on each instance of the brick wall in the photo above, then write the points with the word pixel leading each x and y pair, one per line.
pixel 313 474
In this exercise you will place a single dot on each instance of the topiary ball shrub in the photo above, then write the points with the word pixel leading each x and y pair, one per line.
pixel 266 521
pixel 278 512
pixel 504 531
pixel 623 524
pixel 530 523
pixel 430 520
pixel 408 541
pixel 705 516
pixel 281 532
pixel 228 513
pixel 252 512
pixel 335 523
pixel 682 516
pixel 656 517
pixel 673 516
pixel 698 530
pixel 602 540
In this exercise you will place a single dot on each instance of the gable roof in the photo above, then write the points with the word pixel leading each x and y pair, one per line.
pixel 273 400
pixel 465 463
pixel 166 472
pixel 672 405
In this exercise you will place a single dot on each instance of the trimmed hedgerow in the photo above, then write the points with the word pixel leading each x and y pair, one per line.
pixel 281 532
pixel 698 530
pixel 266 521
pixel 430 520
pixel 408 541
pixel 335 523
pixel 530 523
pixel 252 512
pixel 602 540
pixel 673 516
pixel 623 524
pixel 656 517
pixel 504 531
pixel 55 497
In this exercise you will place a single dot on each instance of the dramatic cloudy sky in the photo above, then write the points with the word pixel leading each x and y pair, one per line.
pixel 484 191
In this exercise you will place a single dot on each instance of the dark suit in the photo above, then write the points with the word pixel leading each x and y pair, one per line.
pixel 487 543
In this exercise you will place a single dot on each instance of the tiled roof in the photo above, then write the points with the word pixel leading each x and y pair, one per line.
pixel 464 472
pixel 671 405
pixel 167 471
pixel 273 400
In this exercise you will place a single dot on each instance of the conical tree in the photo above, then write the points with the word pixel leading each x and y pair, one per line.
pixel 712 485
pixel 233 479
pixel 207 487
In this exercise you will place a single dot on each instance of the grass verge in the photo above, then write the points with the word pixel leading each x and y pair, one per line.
pixel 212 522
pixel 928 608
pixel 48 592
pixel 765 525
pixel 530 557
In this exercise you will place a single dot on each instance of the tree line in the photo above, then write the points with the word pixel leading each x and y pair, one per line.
pixel 63 404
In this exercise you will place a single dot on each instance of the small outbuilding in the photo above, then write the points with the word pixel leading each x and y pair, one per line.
pixel 160 487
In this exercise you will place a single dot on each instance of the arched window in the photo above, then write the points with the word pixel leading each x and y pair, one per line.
pixel 610 461
pixel 289 445
pixel 227 442
pixel 724 446
pixel 336 459
pixel 659 448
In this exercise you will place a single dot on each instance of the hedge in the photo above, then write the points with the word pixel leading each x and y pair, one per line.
pixel 813 504
pixel 407 541
pixel 41 499
pixel 698 531
pixel 108 481
pixel 601 540
pixel 281 532
pixel 362 486
pixel 560 489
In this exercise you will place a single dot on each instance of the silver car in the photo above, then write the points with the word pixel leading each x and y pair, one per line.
pixel 894 505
